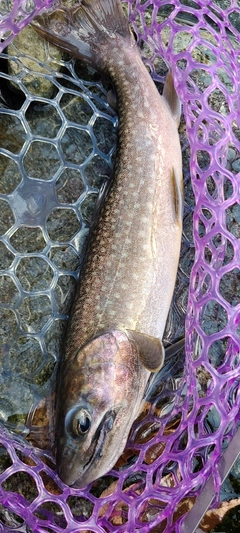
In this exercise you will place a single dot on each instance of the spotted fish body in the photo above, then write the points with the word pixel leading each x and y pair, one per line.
pixel 122 301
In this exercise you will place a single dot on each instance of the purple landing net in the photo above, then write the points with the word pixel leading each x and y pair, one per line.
pixel 175 447
pixel 15 15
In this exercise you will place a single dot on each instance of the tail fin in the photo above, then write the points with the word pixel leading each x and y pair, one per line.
pixel 87 31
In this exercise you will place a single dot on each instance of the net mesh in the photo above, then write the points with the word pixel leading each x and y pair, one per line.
pixel 45 212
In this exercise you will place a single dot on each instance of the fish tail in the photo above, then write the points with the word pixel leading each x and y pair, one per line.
pixel 87 31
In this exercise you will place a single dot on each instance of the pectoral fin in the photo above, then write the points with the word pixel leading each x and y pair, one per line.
pixel 171 97
pixel 178 197
pixel 157 378
pixel 151 350
pixel 112 99
pixel 103 192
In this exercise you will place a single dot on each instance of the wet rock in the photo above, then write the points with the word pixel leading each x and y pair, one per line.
pixel 27 42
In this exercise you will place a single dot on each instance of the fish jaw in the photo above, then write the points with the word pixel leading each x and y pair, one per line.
pixel 77 473
pixel 78 467
pixel 104 387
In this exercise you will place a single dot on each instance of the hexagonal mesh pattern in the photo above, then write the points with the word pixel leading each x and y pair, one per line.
pixel 45 211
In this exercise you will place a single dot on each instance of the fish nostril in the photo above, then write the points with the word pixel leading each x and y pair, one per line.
pixel 66 452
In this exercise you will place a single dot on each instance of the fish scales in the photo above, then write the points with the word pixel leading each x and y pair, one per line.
pixel 114 337
pixel 127 264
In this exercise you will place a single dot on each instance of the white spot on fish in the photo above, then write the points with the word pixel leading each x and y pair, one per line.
pixel 150 190
pixel 148 142
pixel 149 205
pixel 135 275
pixel 145 246
pixel 153 127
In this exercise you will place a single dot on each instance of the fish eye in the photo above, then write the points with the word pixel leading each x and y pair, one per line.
pixel 81 422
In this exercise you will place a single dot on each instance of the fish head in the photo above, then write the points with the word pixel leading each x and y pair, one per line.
pixel 101 395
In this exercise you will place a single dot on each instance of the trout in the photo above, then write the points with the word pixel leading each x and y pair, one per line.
pixel 114 338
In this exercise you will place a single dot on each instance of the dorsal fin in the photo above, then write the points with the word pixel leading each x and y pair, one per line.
pixel 151 350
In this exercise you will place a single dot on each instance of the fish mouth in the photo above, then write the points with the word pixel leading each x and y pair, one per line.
pixel 95 449
pixel 99 437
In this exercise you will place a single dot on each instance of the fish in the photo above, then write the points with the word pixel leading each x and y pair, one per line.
pixel 114 338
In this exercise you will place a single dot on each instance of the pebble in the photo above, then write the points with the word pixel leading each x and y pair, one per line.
pixel 236 165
